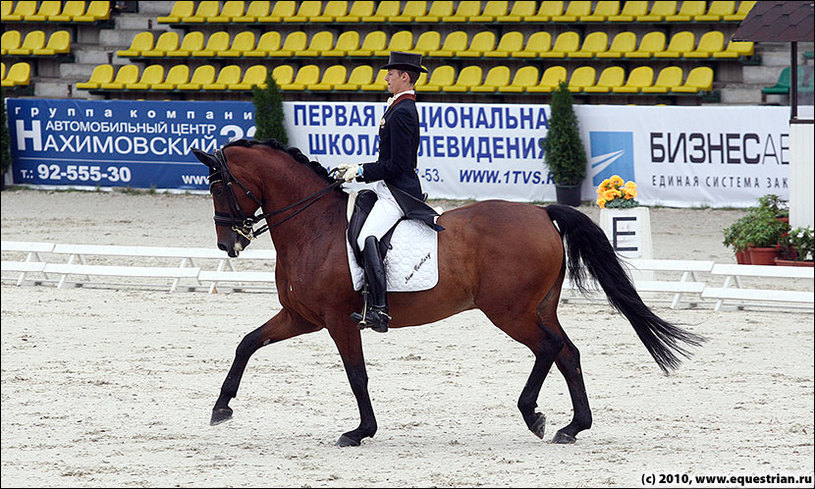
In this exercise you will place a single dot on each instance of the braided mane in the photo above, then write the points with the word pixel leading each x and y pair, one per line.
pixel 293 152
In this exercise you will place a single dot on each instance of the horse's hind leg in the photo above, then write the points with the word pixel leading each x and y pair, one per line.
pixel 282 326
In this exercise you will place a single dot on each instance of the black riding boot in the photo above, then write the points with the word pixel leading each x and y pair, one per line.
pixel 376 316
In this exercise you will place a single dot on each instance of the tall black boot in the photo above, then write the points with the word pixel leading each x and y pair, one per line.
pixel 376 316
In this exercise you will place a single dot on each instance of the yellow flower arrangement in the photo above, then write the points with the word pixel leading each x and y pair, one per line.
pixel 616 193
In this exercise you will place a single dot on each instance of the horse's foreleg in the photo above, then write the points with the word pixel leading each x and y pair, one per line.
pixel 349 343
pixel 568 362
pixel 282 326
pixel 545 348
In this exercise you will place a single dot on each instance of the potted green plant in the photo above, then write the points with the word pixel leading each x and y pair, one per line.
pixel 734 238
pixel 796 248
pixel 762 232
pixel 563 149
pixel 776 205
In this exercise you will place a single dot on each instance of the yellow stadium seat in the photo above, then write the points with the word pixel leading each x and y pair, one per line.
pixel 282 10
pixel 497 76
pixel 736 49
pixel 610 77
pixel 602 11
pixel 464 11
pixel 333 75
pixel 622 44
pixel 688 11
pixel 19 74
pixel 229 12
pixel 205 10
pixel 384 11
pixel 700 79
pixel 378 85
pixel 70 10
pixel 254 11
pixel 441 76
pixel 22 10
pixel 151 75
pixel 582 77
pixel 454 42
pixel 639 78
pixel 167 45
pixel 546 12
pixel 9 40
pixel 717 11
pixel 741 13
pixel 538 43
pixel 373 42
pixel 482 42
pixel 320 41
pixel 126 74
pixel 509 44
pixel 305 11
pixel 101 74
pixel 242 42
pixel 438 10
pixel 492 10
pixel 228 76
pixel 295 41
pixel 361 75
pixel 269 42
pixel 525 77
pixel 427 42
pixel 574 12
pixel 96 11
pixel 346 42
pixel 5 12
pixel 3 65
pixel 58 43
pixel 520 10
pixel 710 43
pixel 659 10
pixel 411 10
pixel 469 77
pixel 203 75
pixel 217 42
pixel 399 41
pixel 180 10
pixel 283 75
pixel 33 40
pixel 45 11
pixel 681 43
pixel 652 42
pixel 176 75
pixel 255 75
pixel 358 10
pixel 630 12
pixel 550 80
pixel 565 44
pixel 593 44
pixel 306 76
pixel 333 10
pixel 192 43
pixel 668 78
pixel 142 41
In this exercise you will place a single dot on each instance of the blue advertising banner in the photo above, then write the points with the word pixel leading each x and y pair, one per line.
pixel 120 143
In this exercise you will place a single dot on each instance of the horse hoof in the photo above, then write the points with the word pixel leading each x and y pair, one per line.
pixel 539 425
pixel 562 438
pixel 346 441
pixel 220 415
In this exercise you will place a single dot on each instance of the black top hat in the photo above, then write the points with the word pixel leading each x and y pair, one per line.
pixel 405 62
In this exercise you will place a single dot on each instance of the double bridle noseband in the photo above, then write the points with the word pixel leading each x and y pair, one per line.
pixel 236 219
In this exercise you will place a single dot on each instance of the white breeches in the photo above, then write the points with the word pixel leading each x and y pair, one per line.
pixel 385 213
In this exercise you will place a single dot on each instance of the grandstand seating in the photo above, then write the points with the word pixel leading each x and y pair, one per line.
pixel 203 75
pixel 525 77
pixel 9 40
pixel 101 74
pixel 667 79
pixel 492 11
pixel 361 75
pixel 439 78
pixel 550 80
pixel 639 78
pixel 346 42
pixel 269 42
pixel 150 76
pixel 126 74
pixel 610 77
pixel 18 74
pixel 497 76
pixel 176 75
pixel 699 79
pixel 228 76
pixel 332 76
pixel 356 12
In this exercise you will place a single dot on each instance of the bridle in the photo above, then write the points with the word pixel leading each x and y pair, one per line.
pixel 236 219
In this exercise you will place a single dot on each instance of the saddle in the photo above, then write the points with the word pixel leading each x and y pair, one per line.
pixel 363 204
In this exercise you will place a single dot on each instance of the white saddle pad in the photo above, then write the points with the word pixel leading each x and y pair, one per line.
pixel 411 265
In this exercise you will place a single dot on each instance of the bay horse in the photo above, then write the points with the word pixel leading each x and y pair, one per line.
pixel 506 259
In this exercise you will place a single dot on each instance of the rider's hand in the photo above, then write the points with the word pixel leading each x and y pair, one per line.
pixel 348 171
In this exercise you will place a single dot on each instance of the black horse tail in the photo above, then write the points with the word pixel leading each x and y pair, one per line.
pixel 587 243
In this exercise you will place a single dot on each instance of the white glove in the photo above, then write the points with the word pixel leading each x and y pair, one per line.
pixel 349 171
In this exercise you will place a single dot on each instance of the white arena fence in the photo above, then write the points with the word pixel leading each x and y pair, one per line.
pixel 673 283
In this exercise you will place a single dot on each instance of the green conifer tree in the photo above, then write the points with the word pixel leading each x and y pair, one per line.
pixel 563 149
pixel 269 112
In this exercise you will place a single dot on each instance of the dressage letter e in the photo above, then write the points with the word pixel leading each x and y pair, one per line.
pixel 616 232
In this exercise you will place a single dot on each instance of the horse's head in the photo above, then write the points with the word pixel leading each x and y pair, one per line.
pixel 234 211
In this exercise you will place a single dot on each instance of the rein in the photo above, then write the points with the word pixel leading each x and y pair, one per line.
pixel 240 222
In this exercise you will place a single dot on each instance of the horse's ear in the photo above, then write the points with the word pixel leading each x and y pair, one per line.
pixel 205 158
